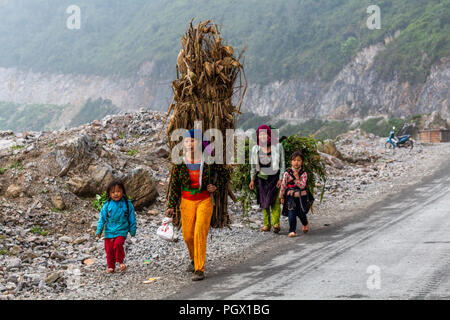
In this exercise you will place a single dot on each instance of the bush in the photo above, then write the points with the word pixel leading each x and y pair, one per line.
pixel 100 200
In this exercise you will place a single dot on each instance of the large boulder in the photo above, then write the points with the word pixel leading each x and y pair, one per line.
pixel 14 190
pixel 332 161
pixel 329 147
pixel 80 186
pixel 140 187
pixel 101 175
pixel 77 151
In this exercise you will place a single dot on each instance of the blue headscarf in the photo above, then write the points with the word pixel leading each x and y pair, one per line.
pixel 198 134
pixel 194 133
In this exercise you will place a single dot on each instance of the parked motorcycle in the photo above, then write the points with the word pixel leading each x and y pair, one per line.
pixel 393 141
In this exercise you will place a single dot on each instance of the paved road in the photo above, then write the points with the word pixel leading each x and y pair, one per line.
pixel 398 249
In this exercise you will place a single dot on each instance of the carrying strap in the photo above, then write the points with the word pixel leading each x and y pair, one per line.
pixel 291 173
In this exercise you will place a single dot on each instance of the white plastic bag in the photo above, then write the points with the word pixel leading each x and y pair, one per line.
pixel 166 230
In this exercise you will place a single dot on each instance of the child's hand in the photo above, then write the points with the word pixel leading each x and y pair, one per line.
pixel 279 184
pixel 211 188
pixel 99 236
pixel 252 185
pixel 282 200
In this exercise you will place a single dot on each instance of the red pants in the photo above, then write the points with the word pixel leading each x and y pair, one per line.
pixel 114 251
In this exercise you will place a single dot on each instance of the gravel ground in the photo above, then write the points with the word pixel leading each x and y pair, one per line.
pixel 349 190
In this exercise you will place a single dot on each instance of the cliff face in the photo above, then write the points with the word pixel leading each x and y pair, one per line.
pixel 61 89
pixel 355 92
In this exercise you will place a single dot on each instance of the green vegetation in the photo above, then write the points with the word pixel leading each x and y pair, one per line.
pixel 320 129
pixel 329 129
pixel 93 110
pixel 16 147
pixel 39 117
pixel 3 252
pixel 424 40
pixel 35 117
pixel 284 39
pixel 38 230
pixel 380 126
pixel 100 200
pixel 16 165
pixel 132 152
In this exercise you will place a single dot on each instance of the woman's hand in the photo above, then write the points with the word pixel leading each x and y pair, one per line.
pixel 282 200
pixel 279 184
pixel 99 236
pixel 211 188
pixel 252 185
pixel 169 212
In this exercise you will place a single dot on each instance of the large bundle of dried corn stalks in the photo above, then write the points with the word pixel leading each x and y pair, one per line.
pixel 207 74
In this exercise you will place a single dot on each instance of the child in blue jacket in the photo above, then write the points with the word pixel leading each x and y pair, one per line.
pixel 118 218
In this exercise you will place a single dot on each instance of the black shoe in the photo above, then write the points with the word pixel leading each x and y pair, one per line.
pixel 198 275
pixel 191 267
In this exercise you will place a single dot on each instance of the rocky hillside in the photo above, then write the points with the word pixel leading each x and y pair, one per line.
pixel 59 173
pixel 356 92
pixel 304 59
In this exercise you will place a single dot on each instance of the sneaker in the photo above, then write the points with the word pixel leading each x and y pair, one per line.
pixel 276 228
pixel 292 234
pixel 198 275
pixel 305 229
pixel 264 229
pixel 191 267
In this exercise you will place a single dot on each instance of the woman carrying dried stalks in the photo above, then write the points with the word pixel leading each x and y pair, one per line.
pixel 191 189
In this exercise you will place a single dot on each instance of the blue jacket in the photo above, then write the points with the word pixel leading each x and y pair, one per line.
pixel 116 223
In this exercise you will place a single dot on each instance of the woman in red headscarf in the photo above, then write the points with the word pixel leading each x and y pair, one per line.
pixel 267 169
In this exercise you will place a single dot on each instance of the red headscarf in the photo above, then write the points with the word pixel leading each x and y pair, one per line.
pixel 269 133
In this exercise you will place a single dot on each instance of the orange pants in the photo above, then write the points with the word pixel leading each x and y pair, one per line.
pixel 195 221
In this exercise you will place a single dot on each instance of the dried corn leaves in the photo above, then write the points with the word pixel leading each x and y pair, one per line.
pixel 208 77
